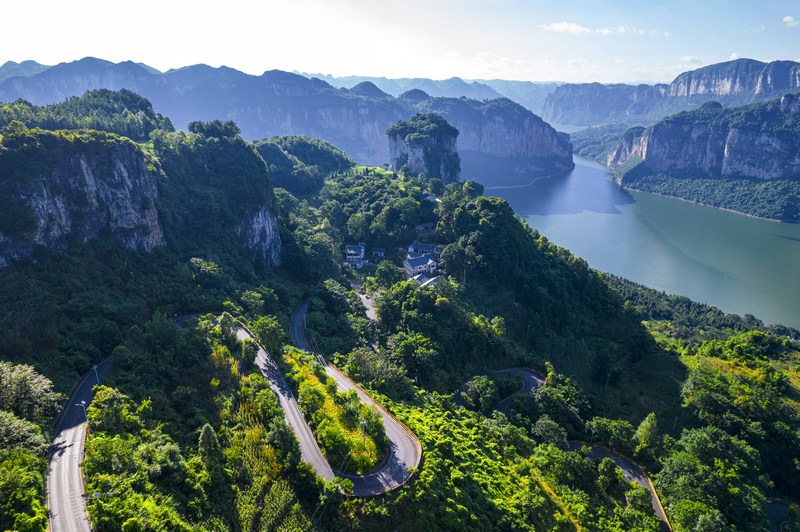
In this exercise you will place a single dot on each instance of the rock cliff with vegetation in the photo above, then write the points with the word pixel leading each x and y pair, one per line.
pixel 425 144
pixel 57 187
pixel 62 185
pixel 699 155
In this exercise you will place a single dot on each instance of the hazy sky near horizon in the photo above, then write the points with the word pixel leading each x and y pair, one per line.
pixel 537 40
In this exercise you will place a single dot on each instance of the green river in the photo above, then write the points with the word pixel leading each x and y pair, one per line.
pixel 740 264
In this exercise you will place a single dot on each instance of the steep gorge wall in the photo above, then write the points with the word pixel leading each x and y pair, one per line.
pixel 731 83
pixel 714 142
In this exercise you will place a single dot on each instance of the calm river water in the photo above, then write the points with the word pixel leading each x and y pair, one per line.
pixel 739 264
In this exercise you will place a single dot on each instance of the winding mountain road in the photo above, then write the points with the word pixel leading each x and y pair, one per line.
pixel 630 470
pixel 404 453
pixel 66 500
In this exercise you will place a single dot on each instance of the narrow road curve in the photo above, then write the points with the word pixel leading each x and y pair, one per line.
pixel 530 381
pixel 404 451
pixel 66 501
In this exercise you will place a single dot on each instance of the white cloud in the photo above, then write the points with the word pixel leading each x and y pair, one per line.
pixel 578 29
pixel 619 30
pixel 790 21
pixel 756 29
pixel 692 60
pixel 733 56
pixel 566 27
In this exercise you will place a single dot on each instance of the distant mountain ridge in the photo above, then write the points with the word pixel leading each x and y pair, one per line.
pixel 282 103
pixel 529 94
pixel 736 82
pixel 10 69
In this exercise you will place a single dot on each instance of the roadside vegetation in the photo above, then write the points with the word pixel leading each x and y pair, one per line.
pixel 350 433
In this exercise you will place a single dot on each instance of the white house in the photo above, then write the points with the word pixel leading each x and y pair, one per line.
pixel 354 255
pixel 415 266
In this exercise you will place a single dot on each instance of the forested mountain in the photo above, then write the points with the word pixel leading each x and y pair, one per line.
pixel 496 131
pixel 731 83
pixel 186 433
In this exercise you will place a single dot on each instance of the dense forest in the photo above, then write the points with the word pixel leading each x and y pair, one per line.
pixel 185 432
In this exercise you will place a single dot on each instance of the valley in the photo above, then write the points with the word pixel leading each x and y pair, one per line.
pixel 359 303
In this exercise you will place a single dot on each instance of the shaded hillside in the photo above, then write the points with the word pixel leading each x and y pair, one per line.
pixel 300 164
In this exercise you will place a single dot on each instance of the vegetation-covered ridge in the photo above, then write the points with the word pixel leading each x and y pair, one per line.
pixel 122 112
pixel 300 164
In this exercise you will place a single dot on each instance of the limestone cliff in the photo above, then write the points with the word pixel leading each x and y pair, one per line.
pixel 426 144
pixel 755 142
pixel 731 83
pixel 58 188
pixel 260 234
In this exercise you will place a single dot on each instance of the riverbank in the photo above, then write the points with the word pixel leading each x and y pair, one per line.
pixel 725 209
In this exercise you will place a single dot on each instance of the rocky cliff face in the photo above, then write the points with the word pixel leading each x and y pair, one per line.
pixel 280 103
pixel 260 233
pixel 730 83
pixel 740 77
pixel 757 142
pixel 426 144
pixel 75 190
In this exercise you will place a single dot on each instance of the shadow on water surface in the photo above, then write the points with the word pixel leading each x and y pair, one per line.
pixel 587 188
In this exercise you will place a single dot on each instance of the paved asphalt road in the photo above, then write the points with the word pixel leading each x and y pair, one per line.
pixel 309 450
pixel 776 513
pixel 530 380
pixel 65 492
pixel 404 452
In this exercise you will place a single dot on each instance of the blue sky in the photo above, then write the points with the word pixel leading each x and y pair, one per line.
pixel 538 40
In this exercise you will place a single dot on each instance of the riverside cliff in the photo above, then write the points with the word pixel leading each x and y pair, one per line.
pixel 732 83
pixel 746 158
pixel 758 142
